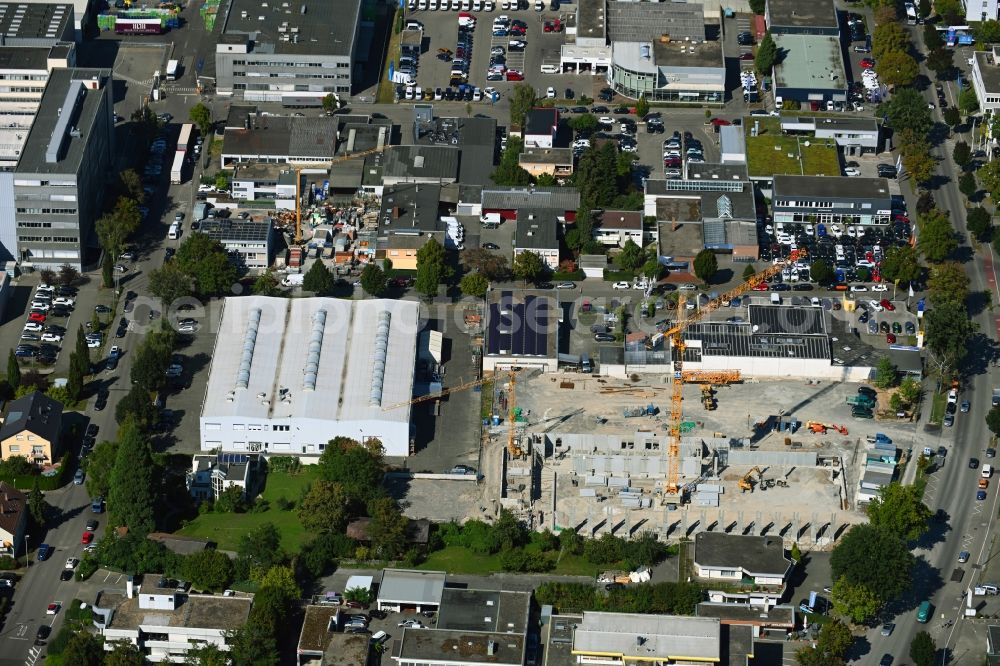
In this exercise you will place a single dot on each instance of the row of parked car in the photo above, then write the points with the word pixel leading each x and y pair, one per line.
pixel 41 339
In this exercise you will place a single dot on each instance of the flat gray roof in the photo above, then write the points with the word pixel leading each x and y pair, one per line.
pixel 989 70
pixel 345 377
pixel 284 136
pixel 24 57
pixel 837 187
pixel 513 198
pixel 782 319
pixel 406 586
pixel 409 208
pixel 798 14
pixel 756 555
pixel 774 616
pixel 484 610
pixel 459 647
pixel 827 122
pixel 537 228
pixel 84 115
pixel 648 21
pixel 591 22
pixel 296 26
pixel 432 162
pixel 546 156
pixel 738 339
pixel 809 61
pixel 650 637
pixel 196 611
pixel 20 20
pixel 705 53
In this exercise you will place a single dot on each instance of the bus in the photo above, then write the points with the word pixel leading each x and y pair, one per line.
pixel 924 612
pixel 172 69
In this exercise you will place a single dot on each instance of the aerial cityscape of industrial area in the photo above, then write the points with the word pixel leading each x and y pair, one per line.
pixel 514 332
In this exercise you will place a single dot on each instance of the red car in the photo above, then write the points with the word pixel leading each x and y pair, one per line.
pixel 553 26
pixel 901 218
pixel 720 122
pixel 890 338
pixel 867 63
pixel 36 316
pixel 887 304
pixel 87 538
pixel 514 75
pixel 518 30
pixel 761 286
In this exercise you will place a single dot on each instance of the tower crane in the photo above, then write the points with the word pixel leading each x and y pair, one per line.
pixel 676 336
pixel 512 446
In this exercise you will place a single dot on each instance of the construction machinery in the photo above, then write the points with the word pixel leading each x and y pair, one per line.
pixel 298 185
pixel 676 336
pixel 821 428
pixel 746 483
pixel 707 397
pixel 512 445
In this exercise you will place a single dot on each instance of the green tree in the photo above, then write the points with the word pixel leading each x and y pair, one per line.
pixel 937 239
pixel 830 649
pixel 947 329
pixel 906 109
pixel 989 178
pixel 260 549
pixel 979 223
pixel 201 116
pixel 432 268
pixel 889 38
pixel 83 649
pixel 330 104
pixel 909 390
pixel 751 270
pixel 387 528
pixel 924 8
pixel 947 283
pixel 585 123
pixel 492 265
pixel 318 279
pixel 474 284
pixel 940 60
pixel 36 504
pixel 795 553
pixel 705 265
pixel 136 406
pixel 125 653
pixel 820 271
pixel 967 184
pixel 130 184
pixel 898 509
pixel 873 557
pixel 967 101
pixel 132 491
pixel 919 163
pixel 855 601
pixel 952 116
pixel 68 275
pixel 99 466
pixel 207 262
pixel 207 654
pixel 374 280
pixel 653 269
pixel 230 500
pixel 356 467
pixel 961 153
pixel 324 507
pixel 922 648
pixel 13 371
pixel 885 373
pixel 528 266
pixel 253 644
pixel 641 106
pixel 596 177
pixel 932 40
pixel 222 182
pixel 993 420
pixel 107 270
pixel 767 55
pixel 631 257
pixel 266 284
pixel 901 263
pixel 758 7
pixel 509 171
pixel 545 180
pixel 897 68
pixel 208 570
pixel 114 228
pixel 987 32
pixel 522 99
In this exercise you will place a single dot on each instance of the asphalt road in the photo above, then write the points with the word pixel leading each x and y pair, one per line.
pixel 951 489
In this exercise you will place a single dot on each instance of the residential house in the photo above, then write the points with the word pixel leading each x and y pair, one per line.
pixel 408 219
pixel 616 227
pixel 32 429
pixel 506 201
pixel 757 562
pixel 538 231
pixel 13 519
pixel 555 162
pixel 249 242
pixel 210 476
pixel 540 128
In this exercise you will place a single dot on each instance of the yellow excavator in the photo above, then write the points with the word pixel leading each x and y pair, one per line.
pixel 746 483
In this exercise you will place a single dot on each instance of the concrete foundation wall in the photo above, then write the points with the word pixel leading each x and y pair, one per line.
pixel 780 458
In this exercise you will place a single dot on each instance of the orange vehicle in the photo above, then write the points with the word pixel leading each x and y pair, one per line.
pixel 984 483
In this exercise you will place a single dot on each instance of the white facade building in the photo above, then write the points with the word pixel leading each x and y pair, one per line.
pixel 981 10
pixel 986 78
pixel 288 376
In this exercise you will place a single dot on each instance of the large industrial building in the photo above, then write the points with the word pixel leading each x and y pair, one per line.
pixel 288 376
pixel 289 52
pixel 60 179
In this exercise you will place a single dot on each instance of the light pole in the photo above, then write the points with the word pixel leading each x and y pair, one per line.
pixel 27 562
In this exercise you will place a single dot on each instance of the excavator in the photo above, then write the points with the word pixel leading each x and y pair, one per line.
pixel 746 483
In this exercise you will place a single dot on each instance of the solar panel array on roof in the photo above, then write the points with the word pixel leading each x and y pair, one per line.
pixel 518 329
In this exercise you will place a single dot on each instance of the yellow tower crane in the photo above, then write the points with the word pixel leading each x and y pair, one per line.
pixel 676 336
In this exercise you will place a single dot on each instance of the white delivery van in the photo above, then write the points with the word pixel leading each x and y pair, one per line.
pixel 775 298
pixel 175 231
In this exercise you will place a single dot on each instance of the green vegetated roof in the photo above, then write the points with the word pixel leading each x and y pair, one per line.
pixel 819 158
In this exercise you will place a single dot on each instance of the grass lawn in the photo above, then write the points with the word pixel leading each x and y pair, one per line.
pixel 456 559
pixel 817 159
pixel 225 529
pixel 938 402
pixel 387 89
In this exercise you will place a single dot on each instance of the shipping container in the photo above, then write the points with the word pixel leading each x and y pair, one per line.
pixel 177 170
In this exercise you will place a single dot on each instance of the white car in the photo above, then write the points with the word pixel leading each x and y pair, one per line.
pixel 93 343
pixel 858 288
pixel 620 285
pixel 411 624
pixel 550 93
pixel 953 395
pixel 501 21
pixel 33 326
pixel 64 300
pixel 880 287
pixel 45 287
pixel 851 171
pixel 876 306
pixel 539 6
pixel 51 337
pixel 606 120
pixel 71 562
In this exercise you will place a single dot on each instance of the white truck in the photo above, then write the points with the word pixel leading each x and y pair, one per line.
pixel 177 170
pixel 173 69
pixel 293 280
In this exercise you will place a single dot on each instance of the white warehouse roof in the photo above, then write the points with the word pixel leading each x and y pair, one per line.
pixel 312 359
